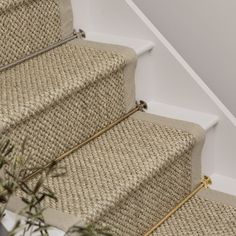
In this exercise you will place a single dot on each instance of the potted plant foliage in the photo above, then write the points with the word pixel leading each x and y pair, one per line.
pixel 14 173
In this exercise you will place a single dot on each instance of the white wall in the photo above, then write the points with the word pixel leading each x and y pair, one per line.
pixel 204 32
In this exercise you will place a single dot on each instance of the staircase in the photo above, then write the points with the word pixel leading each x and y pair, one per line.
pixel 72 101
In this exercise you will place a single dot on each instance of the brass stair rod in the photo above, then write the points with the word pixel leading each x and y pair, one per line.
pixel 139 107
pixel 206 181
pixel 61 42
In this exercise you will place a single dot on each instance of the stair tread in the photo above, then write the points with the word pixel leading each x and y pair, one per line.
pixel 200 217
pixel 136 158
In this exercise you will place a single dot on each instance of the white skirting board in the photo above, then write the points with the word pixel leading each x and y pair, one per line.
pixel 138 45
pixel 206 121
pixel 224 184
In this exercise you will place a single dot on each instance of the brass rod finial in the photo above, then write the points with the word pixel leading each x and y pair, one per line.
pixel 142 105
pixel 80 34
pixel 206 181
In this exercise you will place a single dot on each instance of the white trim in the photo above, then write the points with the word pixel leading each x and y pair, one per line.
pixel 180 59
pixel 206 121
pixel 224 184
pixel 138 45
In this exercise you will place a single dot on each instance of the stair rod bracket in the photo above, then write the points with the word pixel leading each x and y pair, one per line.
pixel 142 105
pixel 206 181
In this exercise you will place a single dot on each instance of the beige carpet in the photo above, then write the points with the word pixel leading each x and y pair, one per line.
pixel 127 178
pixel 61 98
pixel 200 217
pixel 27 26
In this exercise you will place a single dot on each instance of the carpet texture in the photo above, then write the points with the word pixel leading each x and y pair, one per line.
pixel 200 217
pixel 61 98
pixel 27 26
pixel 127 178
pixel 130 176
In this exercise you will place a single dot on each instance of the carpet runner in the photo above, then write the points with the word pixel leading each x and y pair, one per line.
pixel 127 178
pixel 26 27
pixel 61 98
pixel 201 217
pixel 130 176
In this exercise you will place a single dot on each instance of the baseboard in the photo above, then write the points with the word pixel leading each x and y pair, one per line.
pixel 224 184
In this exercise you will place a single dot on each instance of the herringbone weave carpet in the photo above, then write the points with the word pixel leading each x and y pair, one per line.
pixel 127 178
pixel 200 217
pixel 60 98
pixel 27 26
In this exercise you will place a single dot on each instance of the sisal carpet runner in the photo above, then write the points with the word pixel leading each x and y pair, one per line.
pixel 130 176
pixel 27 26
pixel 200 217
pixel 127 178
pixel 61 98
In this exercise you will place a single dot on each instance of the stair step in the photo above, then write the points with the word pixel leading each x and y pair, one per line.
pixel 64 96
pixel 138 45
pixel 128 177
pixel 206 121
pixel 200 217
